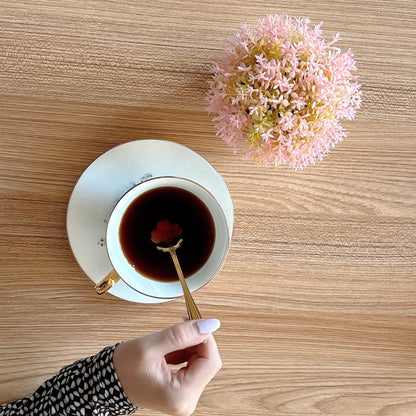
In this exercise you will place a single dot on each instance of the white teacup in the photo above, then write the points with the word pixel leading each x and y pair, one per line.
pixel 123 269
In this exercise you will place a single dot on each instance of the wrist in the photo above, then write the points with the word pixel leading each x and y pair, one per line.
pixel 124 358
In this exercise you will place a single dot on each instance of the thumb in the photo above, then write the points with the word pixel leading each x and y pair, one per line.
pixel 180 336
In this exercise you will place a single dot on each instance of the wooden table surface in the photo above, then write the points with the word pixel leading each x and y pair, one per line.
pixel 317 296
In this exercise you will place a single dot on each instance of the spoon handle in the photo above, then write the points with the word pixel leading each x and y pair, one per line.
pixel 193 312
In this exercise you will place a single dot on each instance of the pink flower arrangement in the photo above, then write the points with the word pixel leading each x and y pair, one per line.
pixel 280 91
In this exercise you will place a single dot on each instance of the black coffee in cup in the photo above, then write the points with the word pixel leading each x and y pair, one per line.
pixel 178 206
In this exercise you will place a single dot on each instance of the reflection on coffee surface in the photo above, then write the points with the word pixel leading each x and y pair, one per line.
pixel 177 206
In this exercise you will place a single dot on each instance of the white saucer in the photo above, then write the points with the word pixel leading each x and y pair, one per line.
pixel 111 175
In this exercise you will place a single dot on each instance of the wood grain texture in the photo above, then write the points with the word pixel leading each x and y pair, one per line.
pixel 318 295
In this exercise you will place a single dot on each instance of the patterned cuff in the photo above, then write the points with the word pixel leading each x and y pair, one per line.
pixel 110 397
pixel 87 387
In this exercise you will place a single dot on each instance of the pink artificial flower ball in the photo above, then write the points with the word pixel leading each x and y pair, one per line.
pixel 279 92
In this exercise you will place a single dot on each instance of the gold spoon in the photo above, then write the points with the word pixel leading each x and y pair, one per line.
pixel 193 312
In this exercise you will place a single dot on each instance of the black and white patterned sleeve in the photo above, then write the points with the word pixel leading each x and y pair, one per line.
pixel 89 387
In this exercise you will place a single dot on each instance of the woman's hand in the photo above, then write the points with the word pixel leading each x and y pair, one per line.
pixel 142 366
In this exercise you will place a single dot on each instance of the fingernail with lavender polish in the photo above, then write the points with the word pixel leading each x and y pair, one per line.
pixel 206 326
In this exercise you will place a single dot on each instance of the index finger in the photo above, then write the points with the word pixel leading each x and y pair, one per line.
pixel 204 364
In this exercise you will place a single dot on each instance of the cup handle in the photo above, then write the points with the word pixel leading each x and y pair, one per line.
pixel 107 283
